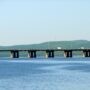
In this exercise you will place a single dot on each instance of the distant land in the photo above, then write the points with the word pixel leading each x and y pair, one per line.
pixel 52 45
pixel 48 45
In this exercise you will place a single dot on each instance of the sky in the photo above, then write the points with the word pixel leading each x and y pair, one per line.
pixel 37 21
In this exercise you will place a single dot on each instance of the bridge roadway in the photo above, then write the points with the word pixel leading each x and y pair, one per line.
pixel 44 50
pixel 49 52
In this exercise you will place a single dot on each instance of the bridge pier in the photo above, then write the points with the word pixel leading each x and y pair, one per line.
pixel 86 53
pixel 32 54
pixel 68 53
pixel 50 54
pixel 15 54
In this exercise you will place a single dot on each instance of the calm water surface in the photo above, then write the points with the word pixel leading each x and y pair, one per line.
pixel 45 74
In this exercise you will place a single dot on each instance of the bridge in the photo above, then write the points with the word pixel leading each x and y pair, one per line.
pixel 49 53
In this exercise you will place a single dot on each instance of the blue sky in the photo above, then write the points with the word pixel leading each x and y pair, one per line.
pixel 36 21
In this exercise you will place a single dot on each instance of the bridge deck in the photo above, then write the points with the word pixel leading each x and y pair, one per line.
pixel 45 50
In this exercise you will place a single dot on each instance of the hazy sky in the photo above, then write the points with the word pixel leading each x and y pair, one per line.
pixel 35 21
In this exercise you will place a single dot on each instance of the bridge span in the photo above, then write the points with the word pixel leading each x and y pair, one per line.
pixel 49 53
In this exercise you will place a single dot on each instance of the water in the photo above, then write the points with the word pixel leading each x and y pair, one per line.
pixel 45 74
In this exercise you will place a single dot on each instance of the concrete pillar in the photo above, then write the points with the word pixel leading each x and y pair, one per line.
pixel 47 54
pixel 86 53
pixel 68 53
pixel 50 54
pixel 89 53
pixel 71 54
pixel 53 54
pixel 14 54
pixel 35 54
pixel 32 54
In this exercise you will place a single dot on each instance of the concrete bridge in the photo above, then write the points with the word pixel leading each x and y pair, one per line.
pixel 32 53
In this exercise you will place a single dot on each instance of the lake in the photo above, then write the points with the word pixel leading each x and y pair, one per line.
pixel 45 74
